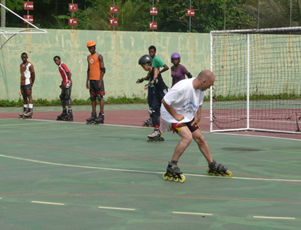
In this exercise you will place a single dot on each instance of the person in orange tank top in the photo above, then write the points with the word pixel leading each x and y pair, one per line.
pixel 94 83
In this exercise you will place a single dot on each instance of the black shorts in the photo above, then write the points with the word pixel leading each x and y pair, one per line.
pixel 26 87
pixel 94 90
pixel 176 127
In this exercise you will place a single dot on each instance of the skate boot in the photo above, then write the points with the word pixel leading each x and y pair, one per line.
pixel 62 116
pixel 91 120
pixel 28 114
pixel 147 123
pixel 68 117
pixel 22 114
pixel 216 169
pixel 155 136
pixel 100 119
pixel 173 172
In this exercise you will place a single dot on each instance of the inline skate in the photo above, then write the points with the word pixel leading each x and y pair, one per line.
pixel 91 120
pixel 155 136
pixel 173 172
pixel 62 116
pixel 28 114
pixel 68 117
pixel 100 119
pixel 218 169
pixel 22 114
pixel 147 123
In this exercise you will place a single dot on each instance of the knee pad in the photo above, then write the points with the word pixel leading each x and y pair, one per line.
pixel 62 97
pixel 99 97
pixel 92 97
pixel 151 111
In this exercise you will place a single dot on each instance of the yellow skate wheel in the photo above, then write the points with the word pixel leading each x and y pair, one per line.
pixel 165 176
pixel 208 171
pixel 176 179
pixel 170 177
pixel 229 173
pixel 183 178
pixel 216 174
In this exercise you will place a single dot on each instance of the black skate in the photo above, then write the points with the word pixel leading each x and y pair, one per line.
pixel 216 169
pixel 28 114
pixel 91 120
pixel 100 119
pixel 62 116
pixel 173 172
pixel 68 117
pixel 155 136
pixel 147 123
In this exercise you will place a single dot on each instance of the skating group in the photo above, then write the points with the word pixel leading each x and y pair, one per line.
pixel 179 107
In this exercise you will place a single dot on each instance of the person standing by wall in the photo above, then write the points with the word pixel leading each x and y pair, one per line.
pixel 27 80
pixel 66 87
pixel 95 83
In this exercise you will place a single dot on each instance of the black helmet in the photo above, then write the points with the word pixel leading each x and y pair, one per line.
pixel 145 59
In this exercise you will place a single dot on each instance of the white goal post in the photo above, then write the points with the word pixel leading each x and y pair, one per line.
pixel 258 80
pixel 9 33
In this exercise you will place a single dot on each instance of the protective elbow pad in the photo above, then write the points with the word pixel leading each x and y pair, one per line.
pixel 103 70
pixel 189 75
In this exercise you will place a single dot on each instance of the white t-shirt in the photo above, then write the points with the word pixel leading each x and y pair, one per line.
pixel 184 99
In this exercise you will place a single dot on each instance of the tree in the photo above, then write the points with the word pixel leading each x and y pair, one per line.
pixel 132 15
pixel 272 13
pixel 209 15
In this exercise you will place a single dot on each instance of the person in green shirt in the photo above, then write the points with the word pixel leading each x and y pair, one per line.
pixel 156 63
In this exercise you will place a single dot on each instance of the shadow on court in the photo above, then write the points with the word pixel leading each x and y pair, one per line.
pixel 60 175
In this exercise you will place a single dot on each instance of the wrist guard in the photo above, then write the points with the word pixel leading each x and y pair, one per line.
pixel 189 75
pixel 141 80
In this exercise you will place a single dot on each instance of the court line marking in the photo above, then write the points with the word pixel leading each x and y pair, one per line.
pixel 116 208
pixel 131 126
pixel 193 213
pixel 274 217
pixel 140 171
pixel 44 202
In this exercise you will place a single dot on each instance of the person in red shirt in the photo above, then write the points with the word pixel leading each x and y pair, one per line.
pixel 66 87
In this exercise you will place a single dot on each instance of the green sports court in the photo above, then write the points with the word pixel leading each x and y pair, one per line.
pixel 69 175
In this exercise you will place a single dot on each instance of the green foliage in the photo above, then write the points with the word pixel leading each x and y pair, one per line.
pixel 57 102
pixel 125 100
pixel 256 97
pixel 172 14
pixel 14 5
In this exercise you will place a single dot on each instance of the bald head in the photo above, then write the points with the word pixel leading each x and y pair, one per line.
pixel 206 75
pixel 204 80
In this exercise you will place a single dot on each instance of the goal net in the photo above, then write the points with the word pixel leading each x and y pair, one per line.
pixel 257 80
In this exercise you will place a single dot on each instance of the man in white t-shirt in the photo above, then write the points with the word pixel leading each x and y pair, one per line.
pixel 181 112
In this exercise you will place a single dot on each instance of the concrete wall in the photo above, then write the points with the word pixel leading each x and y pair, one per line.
pixel 121 51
